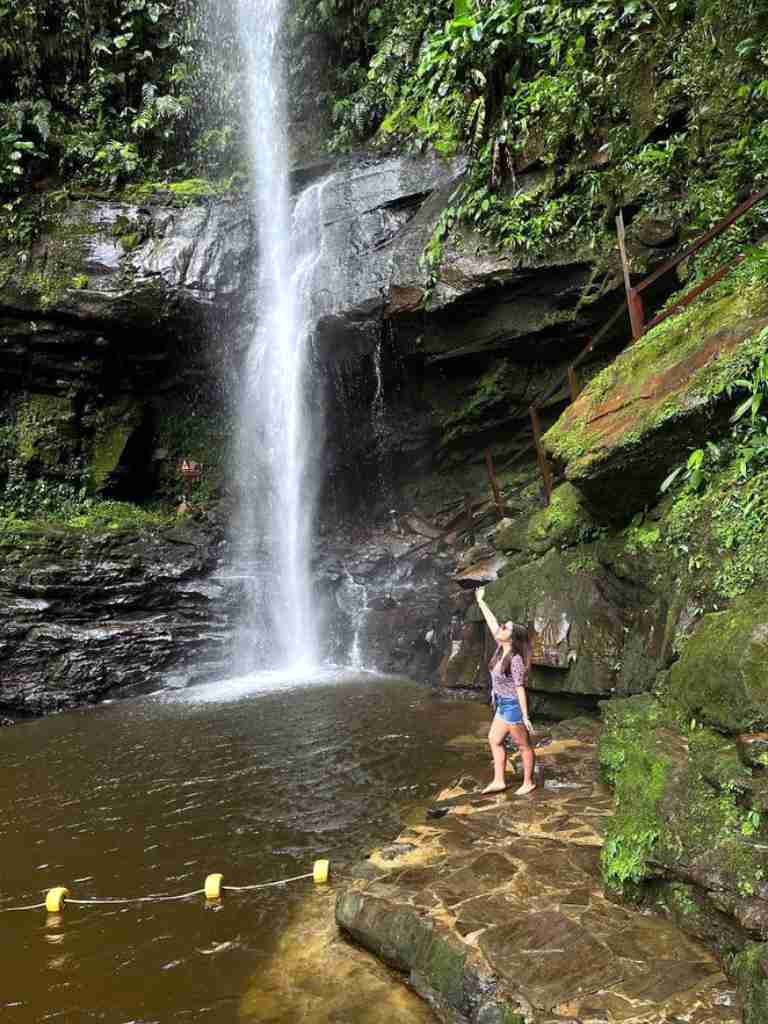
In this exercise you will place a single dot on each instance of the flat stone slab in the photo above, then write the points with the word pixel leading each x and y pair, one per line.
pixel 496 911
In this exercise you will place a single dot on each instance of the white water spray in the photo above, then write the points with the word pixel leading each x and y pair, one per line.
pixel 277 433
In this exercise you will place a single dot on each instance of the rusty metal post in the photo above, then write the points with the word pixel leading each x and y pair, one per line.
pixel 544 467
pixel 636 314
pixel 470 518
pixel 634 302
pixel 573 383
pixel 494 483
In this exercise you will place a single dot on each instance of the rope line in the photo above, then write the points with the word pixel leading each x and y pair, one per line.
pixel 10 910
pixel 163 897
pixel 265 885
pixel 135 899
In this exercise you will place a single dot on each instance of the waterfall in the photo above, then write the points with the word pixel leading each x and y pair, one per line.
pixel 277 436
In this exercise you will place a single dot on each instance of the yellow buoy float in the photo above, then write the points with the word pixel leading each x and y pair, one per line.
pixel 320 871
pixel 54 899
pixel 213 887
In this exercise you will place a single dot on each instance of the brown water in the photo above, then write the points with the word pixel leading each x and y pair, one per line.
pixel 255 779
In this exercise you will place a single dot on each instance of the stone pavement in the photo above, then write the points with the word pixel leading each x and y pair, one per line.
pixel 496 912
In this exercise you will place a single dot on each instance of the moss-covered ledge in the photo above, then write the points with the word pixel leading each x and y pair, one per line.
pixel 635 420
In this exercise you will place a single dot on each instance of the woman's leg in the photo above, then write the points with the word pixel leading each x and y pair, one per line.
pixel 522 741
pixel 496 736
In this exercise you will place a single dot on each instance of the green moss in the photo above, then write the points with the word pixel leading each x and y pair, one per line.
pixel 112 428
pixel 750 969
pixel 444 968
pixel 42 279
pixel 189 428
pixel 182 193
pixel 90 515
pixel 480 409
pixel 721 677
pixel 131 240
pixel 565 521
pixel 633 762
pixel 46 432
pixel 583 563
pixel 640 538
pixel 678 801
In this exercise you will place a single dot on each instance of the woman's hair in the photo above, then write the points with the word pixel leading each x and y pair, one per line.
pixel 521 640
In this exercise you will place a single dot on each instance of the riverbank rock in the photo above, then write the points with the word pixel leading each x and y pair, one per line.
pixel 495 910
pixel 85 614
pixel 690 820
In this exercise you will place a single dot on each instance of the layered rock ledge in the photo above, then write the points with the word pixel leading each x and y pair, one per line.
pixel 86 614
pixel 496 914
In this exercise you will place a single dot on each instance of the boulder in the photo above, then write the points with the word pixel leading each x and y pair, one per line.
pixel 667 392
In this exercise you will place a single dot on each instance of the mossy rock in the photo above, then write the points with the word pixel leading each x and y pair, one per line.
pixel 563 523
pixel 722 676
pixel 664 393
pixel 681 812
pixel 750 969
pixel 512 535
pixel 636 765
pixel 112 427
pixel 465 666
pixel 46 434
pixel 695 914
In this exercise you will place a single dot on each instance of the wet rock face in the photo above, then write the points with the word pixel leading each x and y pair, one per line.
pixel 388 605
pixel 83 616
pixel 133 266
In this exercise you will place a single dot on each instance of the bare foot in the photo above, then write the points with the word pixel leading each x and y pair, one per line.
pixel 525 788
pixel 495 787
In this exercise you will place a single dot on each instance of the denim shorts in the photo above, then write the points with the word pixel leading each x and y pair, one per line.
pixel 508 710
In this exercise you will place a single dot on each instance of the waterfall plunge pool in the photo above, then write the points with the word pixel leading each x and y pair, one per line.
pixel 254 777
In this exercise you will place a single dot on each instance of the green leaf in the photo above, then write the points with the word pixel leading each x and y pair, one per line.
pixel 668 481
pixel 745 406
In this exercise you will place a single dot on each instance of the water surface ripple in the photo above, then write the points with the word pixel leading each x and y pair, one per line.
pixel 255 778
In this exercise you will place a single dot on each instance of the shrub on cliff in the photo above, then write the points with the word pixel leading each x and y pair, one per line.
pixel 660 105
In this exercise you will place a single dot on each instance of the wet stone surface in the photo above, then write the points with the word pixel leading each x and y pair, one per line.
pixel 496 912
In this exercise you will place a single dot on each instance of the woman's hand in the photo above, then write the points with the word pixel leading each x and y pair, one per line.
pixel 528 726
pixel 479 594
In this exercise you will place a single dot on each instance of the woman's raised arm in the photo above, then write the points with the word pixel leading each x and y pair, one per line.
pixel 488 615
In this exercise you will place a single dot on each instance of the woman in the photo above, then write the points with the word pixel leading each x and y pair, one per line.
pixel 509 668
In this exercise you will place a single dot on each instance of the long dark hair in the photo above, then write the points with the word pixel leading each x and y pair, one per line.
pixel 521 643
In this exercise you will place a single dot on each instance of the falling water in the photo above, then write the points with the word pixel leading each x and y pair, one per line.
pixel 277 431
